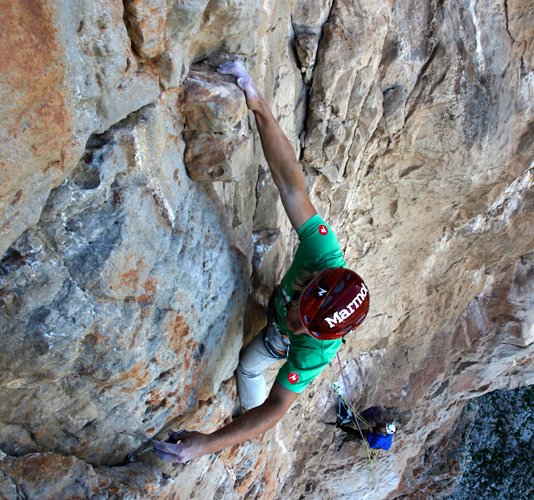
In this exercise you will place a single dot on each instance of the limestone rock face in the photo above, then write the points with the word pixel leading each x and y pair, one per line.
pixel 107 319
pixel 218 145
pixel 79 76
pixel 142 234
pixel 145 21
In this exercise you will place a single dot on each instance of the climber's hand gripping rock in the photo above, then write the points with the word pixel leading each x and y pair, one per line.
pixel 181 446
pixel 244 82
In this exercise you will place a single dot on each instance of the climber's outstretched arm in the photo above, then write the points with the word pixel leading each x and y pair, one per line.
pixel 251 424
pixel 286 171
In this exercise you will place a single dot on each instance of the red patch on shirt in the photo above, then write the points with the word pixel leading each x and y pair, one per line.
pixel 293 377
pixel 323 230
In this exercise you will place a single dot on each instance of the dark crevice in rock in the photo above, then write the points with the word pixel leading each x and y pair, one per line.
pixel 416 92
pixel 164 375
pixel 129 27
pixel 308 85
pixel 135 117
pixel 454 264
pixel 440 390
pixel 87 174
pixel 305 97
pixel 256 190
pixel 11 260
pixel 507 21
pixel 464 365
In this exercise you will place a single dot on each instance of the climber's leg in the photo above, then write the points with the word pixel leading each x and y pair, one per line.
pixel 267 348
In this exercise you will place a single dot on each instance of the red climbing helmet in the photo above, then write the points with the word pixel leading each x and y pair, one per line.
pixel 334 303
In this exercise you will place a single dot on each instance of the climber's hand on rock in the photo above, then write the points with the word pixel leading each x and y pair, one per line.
pixel 190 445
pixel 244 82
pixel 174 436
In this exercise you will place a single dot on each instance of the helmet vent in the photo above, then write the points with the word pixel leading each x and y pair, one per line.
pixel 334 303
pixel 326 302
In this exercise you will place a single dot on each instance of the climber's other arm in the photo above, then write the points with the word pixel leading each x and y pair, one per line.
pixel 251 424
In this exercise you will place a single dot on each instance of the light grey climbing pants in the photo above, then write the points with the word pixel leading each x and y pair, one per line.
pixel 268 347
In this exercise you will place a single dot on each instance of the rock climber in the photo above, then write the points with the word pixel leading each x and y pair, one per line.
pixel 379 436
pixel 316 304
pixel 372 425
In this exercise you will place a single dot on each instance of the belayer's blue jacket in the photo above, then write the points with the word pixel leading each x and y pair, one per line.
pixel 377 440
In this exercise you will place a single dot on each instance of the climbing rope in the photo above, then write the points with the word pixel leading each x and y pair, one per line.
pixel 354 414
pixel 370 455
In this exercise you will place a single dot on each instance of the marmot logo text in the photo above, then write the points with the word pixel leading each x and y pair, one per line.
pixel 342 315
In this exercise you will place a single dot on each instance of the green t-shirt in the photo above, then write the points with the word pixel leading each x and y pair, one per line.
pixel 318 249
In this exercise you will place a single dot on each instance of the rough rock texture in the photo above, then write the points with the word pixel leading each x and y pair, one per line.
pixel 218 145
pixel 499 444
pixel 142 234
pixel 486 452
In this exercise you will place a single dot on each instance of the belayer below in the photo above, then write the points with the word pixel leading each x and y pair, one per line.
pixel 370 424
pixel 316 304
